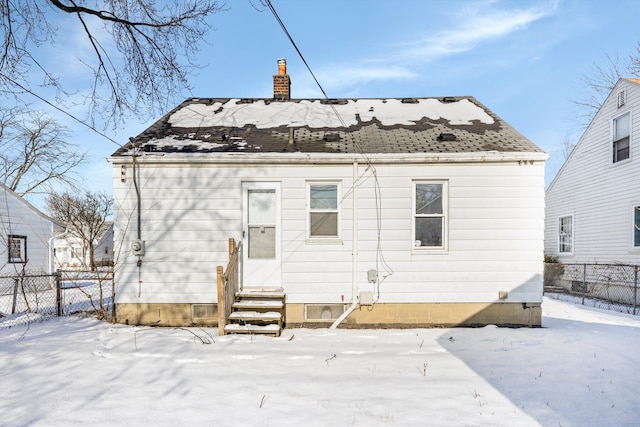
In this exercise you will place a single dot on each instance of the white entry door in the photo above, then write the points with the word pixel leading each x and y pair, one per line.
pixel 261 229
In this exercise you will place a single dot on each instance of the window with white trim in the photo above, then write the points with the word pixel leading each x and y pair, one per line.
pixel 429 214
pixel 17 249
pixel 565 234
pixel 323 216
pixel 636 227
pixel 621 137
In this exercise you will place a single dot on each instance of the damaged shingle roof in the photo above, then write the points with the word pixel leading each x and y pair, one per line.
pixel 390 125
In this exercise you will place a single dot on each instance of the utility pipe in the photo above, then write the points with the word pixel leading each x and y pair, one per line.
pixel 354 253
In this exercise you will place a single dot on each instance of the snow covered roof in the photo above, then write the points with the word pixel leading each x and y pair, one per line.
pixel 364 125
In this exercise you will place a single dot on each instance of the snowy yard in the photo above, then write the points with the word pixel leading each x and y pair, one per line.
pixel 582 368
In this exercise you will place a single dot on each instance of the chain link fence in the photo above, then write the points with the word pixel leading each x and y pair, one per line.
pixel 609 286
pixel 30 298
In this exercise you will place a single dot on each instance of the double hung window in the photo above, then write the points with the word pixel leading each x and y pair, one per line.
pixel 17 249
pixel 323 211
pixel 565 234
pixel 429 214
pixel 621 134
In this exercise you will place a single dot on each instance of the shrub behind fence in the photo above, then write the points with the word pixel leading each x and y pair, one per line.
pixel 29 298
pixel 611 286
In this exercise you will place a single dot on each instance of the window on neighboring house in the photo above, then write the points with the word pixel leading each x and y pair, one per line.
pixel 77 252
pixel 621 133
pixel 17 249
pixel 324 213
pixel 429 214
pixel 636 227
pixel 565 234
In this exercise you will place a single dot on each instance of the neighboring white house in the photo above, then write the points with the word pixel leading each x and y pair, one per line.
pixel 407 212
pixel 26 236
pixel 593 204
pixel 72 252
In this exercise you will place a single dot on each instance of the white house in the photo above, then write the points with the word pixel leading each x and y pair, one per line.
pixel 26 236
pixel 593 204
pixel 387 212
pixel 72 252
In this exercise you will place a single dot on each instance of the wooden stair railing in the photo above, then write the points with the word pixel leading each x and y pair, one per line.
pixel 228 284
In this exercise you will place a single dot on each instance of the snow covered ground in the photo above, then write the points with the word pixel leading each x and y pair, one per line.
pixel 581 369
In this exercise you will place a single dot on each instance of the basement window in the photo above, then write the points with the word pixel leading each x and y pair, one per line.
pixel 204 312
pixel 323 313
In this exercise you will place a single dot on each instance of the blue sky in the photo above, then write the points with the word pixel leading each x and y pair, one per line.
pixel 522 59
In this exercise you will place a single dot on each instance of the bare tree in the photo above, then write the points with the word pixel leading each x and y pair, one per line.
pixel 85 216
pixel 141 51
pixel 34 153
pixel 600 80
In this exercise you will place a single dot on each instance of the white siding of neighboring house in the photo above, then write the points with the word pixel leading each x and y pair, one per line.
pixel 495 232
pixel 598 193
pixel 17 217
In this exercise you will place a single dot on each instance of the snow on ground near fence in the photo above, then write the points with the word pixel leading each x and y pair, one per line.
pixel 20 308
pixel 582 368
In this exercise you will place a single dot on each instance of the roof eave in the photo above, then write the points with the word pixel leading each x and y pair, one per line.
pixel 332 158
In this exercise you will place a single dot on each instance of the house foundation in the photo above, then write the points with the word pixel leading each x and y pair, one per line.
pixel 401 315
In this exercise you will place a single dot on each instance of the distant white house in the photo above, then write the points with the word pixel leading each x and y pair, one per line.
pixel 71 252
pixel 387 212
pixel 26 236
pixel 593 204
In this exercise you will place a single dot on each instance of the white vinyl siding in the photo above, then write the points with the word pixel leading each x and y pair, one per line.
pixel 32 232
pixel 494 216
pixel 565 234
pixel 599 194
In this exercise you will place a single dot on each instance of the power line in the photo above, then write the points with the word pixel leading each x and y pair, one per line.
pixel 29 91
pixel 379 252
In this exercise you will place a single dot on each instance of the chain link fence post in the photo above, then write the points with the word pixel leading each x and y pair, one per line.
pixel 16 281
pixel 635 289
pixel 58 293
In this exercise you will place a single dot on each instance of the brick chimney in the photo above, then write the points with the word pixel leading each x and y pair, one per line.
pixel 282 82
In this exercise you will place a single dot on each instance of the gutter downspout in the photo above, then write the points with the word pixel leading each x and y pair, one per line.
pixel 354 254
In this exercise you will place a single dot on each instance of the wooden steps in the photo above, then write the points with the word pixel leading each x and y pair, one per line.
pixel 258 311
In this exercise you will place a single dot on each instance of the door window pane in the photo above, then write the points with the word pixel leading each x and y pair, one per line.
pixel 262 206
pixel 262 242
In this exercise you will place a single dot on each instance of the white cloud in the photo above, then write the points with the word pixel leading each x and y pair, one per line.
pixel 478 23
pixel 458 32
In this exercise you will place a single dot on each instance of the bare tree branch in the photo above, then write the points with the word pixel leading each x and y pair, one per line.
pixel 85 216
pixel 34 153
pixel 600 80
pixel 142 51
